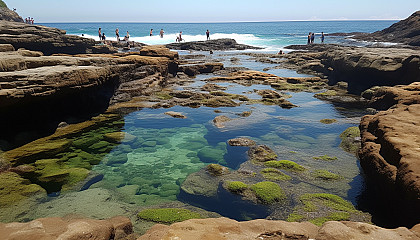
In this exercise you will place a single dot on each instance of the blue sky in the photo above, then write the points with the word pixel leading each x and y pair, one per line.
pixel 210 10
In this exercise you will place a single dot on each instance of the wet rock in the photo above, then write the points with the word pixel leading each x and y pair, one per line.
pixel 243 142
pixel 262 153
pixel 195 69
pixel 175 114
pixel 158 51
pixel 200 184
pixel 210 87
pixel 350 140
pixel 218 44
pixel 219 120
pixel 217 170
pixel 120 137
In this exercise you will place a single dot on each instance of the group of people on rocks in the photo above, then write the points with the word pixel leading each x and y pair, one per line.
pixel 311 37
pixel 29 20
pixel 102 36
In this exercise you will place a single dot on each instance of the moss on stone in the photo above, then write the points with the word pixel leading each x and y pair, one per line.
pixel 348 137
pixel 274 175
pixel 163 95
pixel 236 186
pixel 335 216
pixel 325 158
pixel 312 201
pixel 285 164
pixel 326 175
pixel 167 215
pixel 327 93
pixel 217 170
pixel 328 121
pixel 268 192
pixel 262 153
pixel 294 217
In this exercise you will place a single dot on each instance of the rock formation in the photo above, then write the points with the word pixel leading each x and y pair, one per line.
pixel 47 40
pixel 361 68
pixel 406 31
pixel 211 45
pixel 54 88
pixel 223 228
pixel 7 14
pixel 390 150
pixel 117 228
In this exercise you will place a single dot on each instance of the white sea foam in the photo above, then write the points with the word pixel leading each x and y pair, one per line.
pixel 249 39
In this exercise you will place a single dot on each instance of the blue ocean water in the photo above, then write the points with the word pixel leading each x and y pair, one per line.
pixel 270 35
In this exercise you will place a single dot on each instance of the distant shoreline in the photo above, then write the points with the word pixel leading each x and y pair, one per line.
pixel 360 20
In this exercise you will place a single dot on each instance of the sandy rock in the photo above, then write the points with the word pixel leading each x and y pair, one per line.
pixel 68 229
pixel 224 228
pixel 218 44
pixel 157 50
pixel 195 69
pixel 361 231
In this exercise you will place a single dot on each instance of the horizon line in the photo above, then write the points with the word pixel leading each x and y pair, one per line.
pixel 314 20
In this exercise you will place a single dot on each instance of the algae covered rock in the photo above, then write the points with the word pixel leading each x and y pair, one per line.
pixel 350 140
pixel 319 208
pixel 211 155
pixel 243 142
pixel 167 215
pixel 119 137
pixel 262 153
pixel 236 186
pixel 200 184
pixel 325 158
pixel 326 175
pixel 219 120
pixel 217 170
pixel 14 188
pixel 286 165
pixel 328 121
pixel 268 192
pixel 274 175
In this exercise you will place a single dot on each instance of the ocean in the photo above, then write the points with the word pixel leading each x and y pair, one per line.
pixel 272 36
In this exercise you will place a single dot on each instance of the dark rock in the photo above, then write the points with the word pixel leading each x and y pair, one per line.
pixel 406 31
pixel 218 44
pixel 9 15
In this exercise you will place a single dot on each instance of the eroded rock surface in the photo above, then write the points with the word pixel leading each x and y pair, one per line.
pixel 218 44
pixel 390 149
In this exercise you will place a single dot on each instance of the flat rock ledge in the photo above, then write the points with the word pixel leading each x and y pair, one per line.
pixel 224 228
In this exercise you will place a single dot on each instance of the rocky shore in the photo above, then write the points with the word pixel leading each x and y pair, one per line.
pixel 43 89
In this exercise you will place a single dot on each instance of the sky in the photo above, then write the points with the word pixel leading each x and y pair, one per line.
pixel 180 11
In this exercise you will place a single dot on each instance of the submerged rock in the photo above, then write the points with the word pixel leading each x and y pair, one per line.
pixel 175 114
pixel 262 153
pixel 243 142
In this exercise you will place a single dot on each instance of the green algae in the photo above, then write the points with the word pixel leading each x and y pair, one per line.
pixel 268 192
pixel 262 153
pixel 163 95
pixel 313 201
pixel 326 93
pixel 211 155
pixel 168 215
pixel 274 175
pixel 236 186
pixel 286 165
pixel 14 188
pixel 325 158
pixel 328 121
pixel 319 208
pixel 348 142
pixel 326 175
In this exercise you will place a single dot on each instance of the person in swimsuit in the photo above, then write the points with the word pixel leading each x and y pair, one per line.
pixel 100 34
pixel 322 37
pixel 309 38
pixel 161 33
pixel 208 34
pixel 312 37
pixel 151 32
pixel 117 33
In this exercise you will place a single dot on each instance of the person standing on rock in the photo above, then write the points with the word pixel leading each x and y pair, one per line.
pixel 312 37
pixel 322 37
pixel 208 34
pixel 309 38
pixel 151 32
pixel 100 34
pixel 117 33
pixel 161 33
